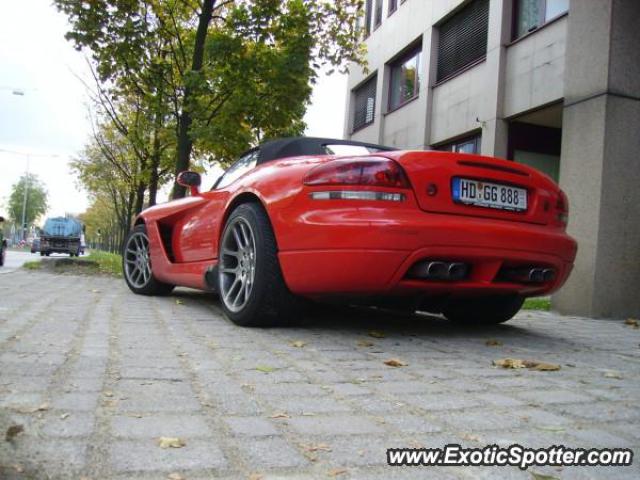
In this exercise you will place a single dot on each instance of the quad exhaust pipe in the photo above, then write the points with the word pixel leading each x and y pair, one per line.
pixel 439 270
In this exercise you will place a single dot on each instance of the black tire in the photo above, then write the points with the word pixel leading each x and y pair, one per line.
pixel 483 311
pixel 150 286
pixel 3 252
pixel 269 302
pixel 42 254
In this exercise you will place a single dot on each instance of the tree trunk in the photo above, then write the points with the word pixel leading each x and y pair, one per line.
pixel 185 142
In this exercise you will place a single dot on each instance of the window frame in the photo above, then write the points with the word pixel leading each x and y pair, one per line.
pixel 542 20
pixel 412 52
pixel 368 17
pixel 450 146
pixel 392 7
pixel 470 64
pixel 378 8
pixel 361 87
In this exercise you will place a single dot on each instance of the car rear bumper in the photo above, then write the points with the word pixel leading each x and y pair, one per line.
pixel 375 257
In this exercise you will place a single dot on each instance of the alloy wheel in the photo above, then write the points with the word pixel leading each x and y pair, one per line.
pixel 137 263
pixel 237 264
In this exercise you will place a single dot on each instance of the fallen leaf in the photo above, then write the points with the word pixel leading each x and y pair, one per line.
pixel 612 374
pixel 18 468
pixel 64 416
pixel 171 442
pixel 256 476
pixel 365 343
pixel 377 334
pixel 95 291
pixel 108 394
pixel 176 476
pixel 509 363
pixel 280 415
pixel 265 369
pixel 516 363
pixel 337 472
pixel 394 362
pixel 542 476
pixel 298 344
pixel 13 431
pixel 179 302
pixel 544 367
pixel 317 447
pixel 632 322
pixel 493 343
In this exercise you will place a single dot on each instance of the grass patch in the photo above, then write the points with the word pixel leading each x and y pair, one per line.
pixel 34 265
pixel 109 263
pixel 96 263
pixel 543 303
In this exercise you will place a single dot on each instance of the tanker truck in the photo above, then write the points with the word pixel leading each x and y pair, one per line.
pixel 61 235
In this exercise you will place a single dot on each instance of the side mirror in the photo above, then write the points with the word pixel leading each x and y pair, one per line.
pixel 191 180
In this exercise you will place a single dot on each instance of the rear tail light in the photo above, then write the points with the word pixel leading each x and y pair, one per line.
pixel 562 208
pixel 369 171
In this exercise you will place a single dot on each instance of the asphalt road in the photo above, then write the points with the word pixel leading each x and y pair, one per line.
pixel 14 260
pixel 92 376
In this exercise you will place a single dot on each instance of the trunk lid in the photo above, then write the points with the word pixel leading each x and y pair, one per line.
pixel 433 174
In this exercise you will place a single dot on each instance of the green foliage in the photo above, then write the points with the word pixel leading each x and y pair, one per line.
pixel 543 303
pixel 33 265
pixel 108 263
pixel 227 74
pixel 36 204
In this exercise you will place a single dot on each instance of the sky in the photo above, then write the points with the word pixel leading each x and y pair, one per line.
pixel 44 108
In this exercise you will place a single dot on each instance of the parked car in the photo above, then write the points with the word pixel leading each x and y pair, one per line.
pixel 3 244
pixel 464 235
pixel 35 245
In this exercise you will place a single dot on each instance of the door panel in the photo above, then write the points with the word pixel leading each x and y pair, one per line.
pixel 195 236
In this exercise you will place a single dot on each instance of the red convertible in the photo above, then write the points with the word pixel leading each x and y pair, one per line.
pixel 310 218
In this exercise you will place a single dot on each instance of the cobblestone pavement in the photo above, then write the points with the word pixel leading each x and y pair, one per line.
pixel 95 375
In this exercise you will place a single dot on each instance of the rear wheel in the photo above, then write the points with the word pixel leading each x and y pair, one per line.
pixel 483 311
pixel 3 252
pixel 136 264
pixel 251 286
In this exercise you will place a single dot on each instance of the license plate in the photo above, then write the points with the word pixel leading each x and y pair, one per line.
pixel 489 195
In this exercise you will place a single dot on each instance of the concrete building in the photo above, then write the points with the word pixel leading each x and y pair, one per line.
pixel 551 83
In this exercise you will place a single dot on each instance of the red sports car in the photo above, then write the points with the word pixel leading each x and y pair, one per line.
pixel 310 218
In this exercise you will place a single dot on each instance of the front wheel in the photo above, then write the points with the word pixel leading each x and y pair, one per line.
pixel 136 265
pixel 252 290
pixel 483 311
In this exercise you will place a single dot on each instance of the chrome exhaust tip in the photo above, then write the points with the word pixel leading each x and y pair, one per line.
pixel 437 270
pixel 548 274
pixel 536 275
pixel 457 271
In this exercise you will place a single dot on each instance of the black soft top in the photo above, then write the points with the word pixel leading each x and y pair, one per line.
pixel 299 146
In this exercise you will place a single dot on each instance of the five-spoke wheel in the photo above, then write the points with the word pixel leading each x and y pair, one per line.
pixel 237 266
pixel 136 263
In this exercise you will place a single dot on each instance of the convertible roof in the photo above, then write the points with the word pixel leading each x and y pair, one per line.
pixel 298 146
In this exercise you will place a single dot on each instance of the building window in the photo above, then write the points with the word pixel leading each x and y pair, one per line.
pixel 364 104
pixel 463 145
pixel 393 6
pixel 378 16
pixel 463 39
pixel 405 79
pixel 368 10
pixel 532 14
